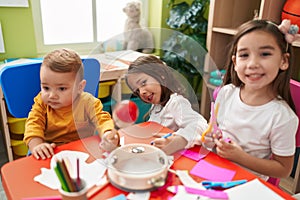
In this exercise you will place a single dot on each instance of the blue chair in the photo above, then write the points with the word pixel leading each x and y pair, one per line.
pixel 21 83
pixel 91 75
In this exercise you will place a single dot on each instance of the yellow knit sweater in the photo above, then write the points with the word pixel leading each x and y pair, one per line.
pixel 76 121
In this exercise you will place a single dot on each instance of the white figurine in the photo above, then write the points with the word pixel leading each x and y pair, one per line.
pixel 136 37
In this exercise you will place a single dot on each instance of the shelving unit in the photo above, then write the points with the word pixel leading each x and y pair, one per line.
pixel 224 18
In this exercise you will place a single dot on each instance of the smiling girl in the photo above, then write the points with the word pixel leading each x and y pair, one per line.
pixel 256 110
pixel 154 82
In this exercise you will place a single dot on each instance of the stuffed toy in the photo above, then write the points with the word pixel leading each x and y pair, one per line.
pixel 135 37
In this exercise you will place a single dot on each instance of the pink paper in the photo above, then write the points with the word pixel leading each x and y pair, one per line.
pixel 191 154
pixel 212 172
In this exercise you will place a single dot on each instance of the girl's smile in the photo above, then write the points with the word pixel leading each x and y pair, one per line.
pixel 257 63
pixel 145 86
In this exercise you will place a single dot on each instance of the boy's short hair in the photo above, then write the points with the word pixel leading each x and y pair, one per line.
pixel 64 60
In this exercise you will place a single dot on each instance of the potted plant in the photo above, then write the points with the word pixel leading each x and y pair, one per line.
pixel 185 49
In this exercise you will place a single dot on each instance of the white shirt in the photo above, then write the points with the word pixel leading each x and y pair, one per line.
pixel 259 130
pixel 179 116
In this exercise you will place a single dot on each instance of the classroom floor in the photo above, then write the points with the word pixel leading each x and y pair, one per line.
pixel 2 193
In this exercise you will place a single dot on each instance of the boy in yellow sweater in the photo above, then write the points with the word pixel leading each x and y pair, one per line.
pixel 62 111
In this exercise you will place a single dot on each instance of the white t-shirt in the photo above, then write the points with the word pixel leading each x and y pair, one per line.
pixel 179 116
pixel 259 130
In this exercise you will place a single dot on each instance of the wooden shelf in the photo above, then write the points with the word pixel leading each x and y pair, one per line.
pixel 296 43
pixel 228 31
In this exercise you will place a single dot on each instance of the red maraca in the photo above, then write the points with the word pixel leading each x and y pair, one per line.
pixel 125 113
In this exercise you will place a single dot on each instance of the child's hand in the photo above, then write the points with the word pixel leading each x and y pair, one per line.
pixel 171 144
pixel 43 150
pixel 110 140
pixel 228 149
pixel 209 140
pixel 160 141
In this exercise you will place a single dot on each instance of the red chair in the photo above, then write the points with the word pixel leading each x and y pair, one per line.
pixel 295 92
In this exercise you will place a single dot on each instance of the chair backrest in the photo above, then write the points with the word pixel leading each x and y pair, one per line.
pixel 91 75
pixel 295 92
pixel 20 83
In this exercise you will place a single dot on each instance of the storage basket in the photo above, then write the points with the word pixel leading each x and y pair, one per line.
pixel 16 125
pixel 104 88
pixel 124 88
pixel 19 147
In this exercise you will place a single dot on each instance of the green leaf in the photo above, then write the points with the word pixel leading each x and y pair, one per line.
pixel 176 19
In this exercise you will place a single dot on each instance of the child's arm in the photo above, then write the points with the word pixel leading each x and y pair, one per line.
pixel 278 166
pixel 40 149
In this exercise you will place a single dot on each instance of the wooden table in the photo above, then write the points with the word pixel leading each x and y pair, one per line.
pixel 17 176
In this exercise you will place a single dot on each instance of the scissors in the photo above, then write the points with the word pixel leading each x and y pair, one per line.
pixel 212 126
pixel 229 184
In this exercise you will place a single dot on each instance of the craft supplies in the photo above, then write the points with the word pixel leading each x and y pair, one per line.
pixel 211 129
pixel 68 183
pixel 164 136
pixel 227 184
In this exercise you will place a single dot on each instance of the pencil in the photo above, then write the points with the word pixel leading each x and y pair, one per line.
pixel 68 178
pixel 94 190
pixel 167 135
pixel 61 179
pixel 78 180
pixel 164 136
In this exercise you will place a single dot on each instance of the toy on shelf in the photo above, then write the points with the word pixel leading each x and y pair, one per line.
pixel 291 11
pixel 135 37
pixel 216 77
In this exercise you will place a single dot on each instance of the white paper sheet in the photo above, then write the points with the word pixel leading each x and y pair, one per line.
pixel 91 173
pixel 128 55
pixel 252 190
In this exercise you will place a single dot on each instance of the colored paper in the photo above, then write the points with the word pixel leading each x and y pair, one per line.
pixel 212 172
pixel 191 154
pixel 118 197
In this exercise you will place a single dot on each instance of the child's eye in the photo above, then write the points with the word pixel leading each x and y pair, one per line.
pixel 266 54
pixel 62 88
pixel 243 55
pixel 45 88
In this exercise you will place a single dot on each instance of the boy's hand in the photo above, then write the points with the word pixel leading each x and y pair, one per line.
pixel 110 140
pixel 43 150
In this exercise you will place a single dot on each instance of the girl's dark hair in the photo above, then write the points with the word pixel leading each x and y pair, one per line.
pixel 281 84
pixel 154 67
